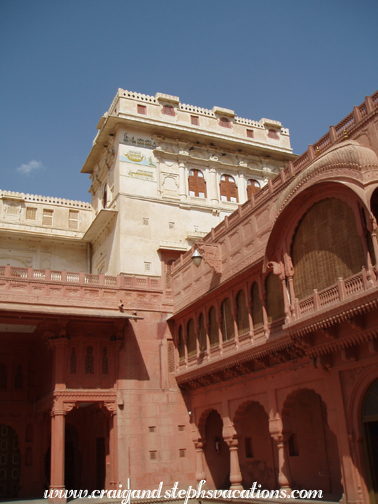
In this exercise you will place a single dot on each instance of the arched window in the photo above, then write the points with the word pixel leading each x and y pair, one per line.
pixel 228 189
pixel 227 321
pixel 274 298
pixel 168 110
pixel 242 316
pixel 272 133
pixel 213 327
pixel 181 347
pixel 252 187
pixel 326 246
pixel 197 184
pixel 257 315
pixel 224 122
pixel 191 334
pixel 202 333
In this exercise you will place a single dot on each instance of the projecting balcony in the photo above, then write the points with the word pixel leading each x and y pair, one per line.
pixel 35 290
pixel 276 343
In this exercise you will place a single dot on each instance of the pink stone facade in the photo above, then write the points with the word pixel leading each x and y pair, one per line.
pixel 259 365
pixel 282 365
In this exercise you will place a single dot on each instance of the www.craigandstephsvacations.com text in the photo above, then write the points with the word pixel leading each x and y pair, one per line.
pixel 254 492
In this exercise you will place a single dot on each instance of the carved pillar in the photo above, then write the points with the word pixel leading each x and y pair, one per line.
pixel 58 342
pixel 206 322
pixel 113 446
pixel 236 477
pixel 374 238
pixel 263 306
pixel 242 188
pixel 219 322
pixel 182 181
pixel 234 311
pixel 213 187
pixel 57 453
pixel 185 337
pixel 200 462
pixel 281 437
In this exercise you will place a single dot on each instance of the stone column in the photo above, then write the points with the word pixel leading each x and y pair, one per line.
pixel 113 446
pixel 281 437
pixel 200 469
pixel 213 187
pixel 242 193
pixel 57 454
pixel 236 477
pixel 182 181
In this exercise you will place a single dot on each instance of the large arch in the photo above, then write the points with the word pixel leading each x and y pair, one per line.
pixel 312 450
pixel 216 452
pixel 362 383
pixel 256 446
pixel 282 234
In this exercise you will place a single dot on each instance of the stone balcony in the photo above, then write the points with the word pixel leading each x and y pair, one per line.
pixel 34 290
pixel 312 332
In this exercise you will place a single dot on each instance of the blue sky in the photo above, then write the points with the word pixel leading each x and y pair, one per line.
pixel 305 63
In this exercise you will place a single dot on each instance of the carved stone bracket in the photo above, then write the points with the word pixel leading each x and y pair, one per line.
pixel 211 255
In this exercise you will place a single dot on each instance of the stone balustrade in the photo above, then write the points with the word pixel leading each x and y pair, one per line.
pixel 29 285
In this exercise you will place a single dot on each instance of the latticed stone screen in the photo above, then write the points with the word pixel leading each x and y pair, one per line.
pixel 213 327
pixel 171 357
pixel 257 315
pixel 191 335
pixel 242 317
pixel 326 246
pixel 274 298
pixel 227 321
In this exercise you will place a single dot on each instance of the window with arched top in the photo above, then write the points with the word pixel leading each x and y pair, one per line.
pixel 228 331
pixel 168 110
pixel 252 187
pixel 326 246
pixel 202 333
pixel 257 316
pixel 242 313
pixel 181 347
pixel 191 341
pixel 197 184
pixel 224 122
pixel 213 327
pixel 274 298
pixel 228 189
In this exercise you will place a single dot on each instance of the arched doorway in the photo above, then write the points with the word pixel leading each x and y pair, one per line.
pixel 216 453
pixel 9 463
pixel 370 439
pixel 313 455
pixel 256 452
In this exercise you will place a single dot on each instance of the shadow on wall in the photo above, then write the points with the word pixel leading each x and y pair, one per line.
pixel 312 447
pixel 132 366
pixel 217 454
